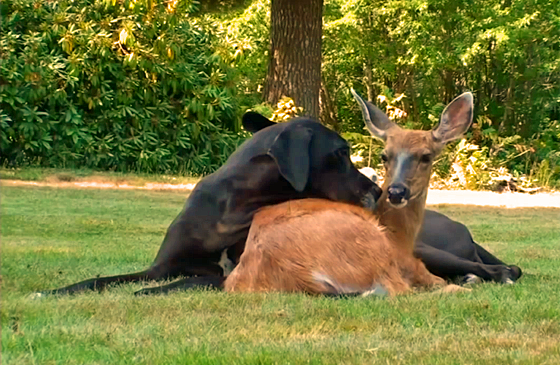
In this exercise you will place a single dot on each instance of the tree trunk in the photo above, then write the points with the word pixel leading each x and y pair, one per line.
pixel 328 108
pixel 368 80
pixel 414 99
pixel 294 68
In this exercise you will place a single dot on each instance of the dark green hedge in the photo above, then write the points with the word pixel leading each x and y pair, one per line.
pixel 129 86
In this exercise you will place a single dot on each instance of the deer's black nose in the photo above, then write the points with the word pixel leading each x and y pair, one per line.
pixel 398 194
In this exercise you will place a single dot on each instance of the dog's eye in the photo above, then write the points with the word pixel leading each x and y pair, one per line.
pixel 384 157
pixel 343 152
pixel 426 158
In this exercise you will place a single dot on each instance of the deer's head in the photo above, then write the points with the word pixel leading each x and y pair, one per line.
pixel 409 154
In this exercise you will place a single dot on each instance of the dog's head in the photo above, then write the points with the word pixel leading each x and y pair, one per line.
pixel 315 159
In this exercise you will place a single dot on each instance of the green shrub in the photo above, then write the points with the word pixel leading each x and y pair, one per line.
pixel 506 53
pixel 121 85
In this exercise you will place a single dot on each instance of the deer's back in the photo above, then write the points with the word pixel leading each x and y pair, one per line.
pixel 289 244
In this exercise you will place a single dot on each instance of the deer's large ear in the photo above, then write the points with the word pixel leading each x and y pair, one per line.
pixel 455 119
pixel 254 122
pixel 377 122
pixel 290 151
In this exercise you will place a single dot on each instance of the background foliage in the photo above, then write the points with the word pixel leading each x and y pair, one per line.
pixel 506 52
pixel 160 86
pixel 133 85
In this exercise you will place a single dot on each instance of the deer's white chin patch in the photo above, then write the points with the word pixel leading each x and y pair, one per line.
pixel 402 204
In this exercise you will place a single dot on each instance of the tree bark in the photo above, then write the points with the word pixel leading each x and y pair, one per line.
pixel 328 108
pixel 294 68
pixel 368 80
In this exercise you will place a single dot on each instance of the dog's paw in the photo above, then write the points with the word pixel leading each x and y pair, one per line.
pixel 471 279
pixel 515 271
pixel 509 275
pixel 452 288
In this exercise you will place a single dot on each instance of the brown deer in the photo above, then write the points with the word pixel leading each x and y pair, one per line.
pixel 324 247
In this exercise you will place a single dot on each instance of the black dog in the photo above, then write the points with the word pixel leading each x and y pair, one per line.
pixel 445 246
pixel 293 160
pixel 448 250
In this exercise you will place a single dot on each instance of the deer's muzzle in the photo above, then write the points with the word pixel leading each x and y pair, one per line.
pixel 398 195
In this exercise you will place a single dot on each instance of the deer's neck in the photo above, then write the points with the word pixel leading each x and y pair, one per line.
pixel 403 224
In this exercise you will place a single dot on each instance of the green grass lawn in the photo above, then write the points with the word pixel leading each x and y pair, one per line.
pixel 53 237
pixel 54 175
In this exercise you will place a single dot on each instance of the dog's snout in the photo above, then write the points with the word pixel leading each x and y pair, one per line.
pixel 376 191
pixel 398 194
pixel 369 201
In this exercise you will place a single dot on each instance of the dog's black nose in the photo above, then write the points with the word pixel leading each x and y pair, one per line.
pixel 398 193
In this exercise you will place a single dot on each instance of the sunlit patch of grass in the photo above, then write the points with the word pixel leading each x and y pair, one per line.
pixel 54 175
pixel 53 237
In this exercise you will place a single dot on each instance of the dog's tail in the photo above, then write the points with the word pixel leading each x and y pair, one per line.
pixel 193 282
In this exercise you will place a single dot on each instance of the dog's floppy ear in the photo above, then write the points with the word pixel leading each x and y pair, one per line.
pixel 290 151
pixel 254 122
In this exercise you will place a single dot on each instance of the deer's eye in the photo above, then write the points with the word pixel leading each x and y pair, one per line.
pixel 426 158
pixel 384 157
